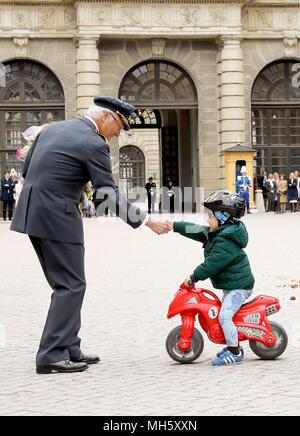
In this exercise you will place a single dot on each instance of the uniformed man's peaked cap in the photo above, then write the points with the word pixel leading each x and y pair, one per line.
pixel 121 108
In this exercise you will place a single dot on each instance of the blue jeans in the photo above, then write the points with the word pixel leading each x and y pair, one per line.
pixel 232 301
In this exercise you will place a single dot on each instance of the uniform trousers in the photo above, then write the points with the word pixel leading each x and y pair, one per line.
pixel 9 205
pixel 151 202
pixel 63 267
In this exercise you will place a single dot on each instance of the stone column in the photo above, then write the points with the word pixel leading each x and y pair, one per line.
pixel 232 97
pixel 88 72
pixel 259 201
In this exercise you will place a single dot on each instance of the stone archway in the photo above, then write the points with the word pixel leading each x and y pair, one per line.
pixel 166 87
pixel 31 95
pixel 275 104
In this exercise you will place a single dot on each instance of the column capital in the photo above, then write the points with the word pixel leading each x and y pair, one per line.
pixel 86 40
pixel 224 41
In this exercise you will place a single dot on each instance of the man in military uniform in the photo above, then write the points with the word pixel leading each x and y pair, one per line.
pixel 63 158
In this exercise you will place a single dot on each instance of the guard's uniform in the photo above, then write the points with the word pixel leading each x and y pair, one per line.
pixel 242 188
pixel 63 158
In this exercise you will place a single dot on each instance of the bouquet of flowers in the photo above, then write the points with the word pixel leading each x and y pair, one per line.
pixel 29 135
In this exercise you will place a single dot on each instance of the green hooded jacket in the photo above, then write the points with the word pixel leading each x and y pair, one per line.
pixel 226 263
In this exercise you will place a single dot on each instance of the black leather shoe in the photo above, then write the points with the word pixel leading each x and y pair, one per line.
pixel 63 366
pixel 86 358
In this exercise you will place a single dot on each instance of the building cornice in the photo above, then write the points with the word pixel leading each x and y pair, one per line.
pixel 245 3
pixel 74 3
pixel 64 3
pixel 150 18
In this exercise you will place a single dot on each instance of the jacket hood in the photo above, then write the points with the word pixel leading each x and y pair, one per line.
pixel 236 232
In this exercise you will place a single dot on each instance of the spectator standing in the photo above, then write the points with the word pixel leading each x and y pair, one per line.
pixel 271 192
pixel 151 194
pixel 277 199
pixel 88 207
pixel 262 185
pixel 282 189
pixel 18 189
pixel 7 195
pixel 171 195
pixel 298 189
pixel 242 186
pixel 15 182
pixel 292 192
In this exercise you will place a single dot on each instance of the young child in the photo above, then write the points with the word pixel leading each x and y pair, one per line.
pixel 226 263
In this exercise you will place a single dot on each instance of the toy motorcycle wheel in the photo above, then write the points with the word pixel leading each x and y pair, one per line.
pixel 197 345
pixel 269 353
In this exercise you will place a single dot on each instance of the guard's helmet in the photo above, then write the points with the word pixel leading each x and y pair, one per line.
pixel 226 201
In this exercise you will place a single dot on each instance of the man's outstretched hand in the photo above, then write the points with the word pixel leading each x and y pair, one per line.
pixel 159 226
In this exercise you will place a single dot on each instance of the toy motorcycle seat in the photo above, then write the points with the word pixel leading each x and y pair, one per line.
pixel 249 302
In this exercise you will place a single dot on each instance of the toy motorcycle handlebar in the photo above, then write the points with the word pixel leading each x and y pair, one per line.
pixel 189 288
pixel 205 291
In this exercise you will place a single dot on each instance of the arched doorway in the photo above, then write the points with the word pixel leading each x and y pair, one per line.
pixel 158 86
pixel 276 118
pixel 31 95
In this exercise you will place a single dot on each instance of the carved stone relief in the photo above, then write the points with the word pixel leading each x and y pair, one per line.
pixel 20 20
pixel 159 16
pixel 37 19
pixel 70 17
pixel 47 19
pixel 158 47
pixel 273 19
pixel 145 16
pixel 21 46
pixel 290 45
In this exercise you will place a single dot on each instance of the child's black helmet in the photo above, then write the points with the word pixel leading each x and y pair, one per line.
pixel 226 201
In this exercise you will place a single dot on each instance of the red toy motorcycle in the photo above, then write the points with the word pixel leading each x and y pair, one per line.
pixel 185 343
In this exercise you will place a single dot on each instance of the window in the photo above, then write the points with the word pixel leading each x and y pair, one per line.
pixel 145 119
pixel 132 169
pixel 158 83
pixel 30 95
pixel 276 118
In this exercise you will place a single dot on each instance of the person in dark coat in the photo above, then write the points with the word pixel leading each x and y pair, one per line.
pixel 63 158
pixel 261 181
pixel 151 194
pixel 7 195
pixel 271 187
pixel 292 192
pixel 171 195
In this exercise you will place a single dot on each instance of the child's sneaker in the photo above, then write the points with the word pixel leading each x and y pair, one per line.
pixel 220 353
pixel 228 358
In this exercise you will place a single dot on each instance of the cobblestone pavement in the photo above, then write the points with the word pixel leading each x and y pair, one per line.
pixel 132 277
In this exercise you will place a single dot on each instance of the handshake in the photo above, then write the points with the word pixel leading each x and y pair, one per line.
pixel 159 226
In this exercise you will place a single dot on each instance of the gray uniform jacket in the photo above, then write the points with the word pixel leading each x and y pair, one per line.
pixel 63 158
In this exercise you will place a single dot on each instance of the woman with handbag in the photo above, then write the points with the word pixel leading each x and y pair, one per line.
pixel 282 188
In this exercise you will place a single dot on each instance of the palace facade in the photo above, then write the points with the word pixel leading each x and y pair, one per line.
pixel 203 75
